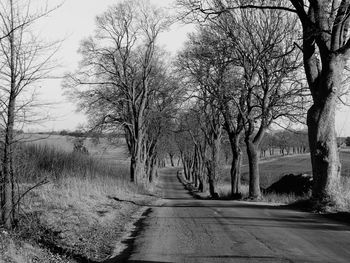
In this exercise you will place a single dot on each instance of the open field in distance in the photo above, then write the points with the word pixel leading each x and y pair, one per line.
pixel 271 170
pixel 116 153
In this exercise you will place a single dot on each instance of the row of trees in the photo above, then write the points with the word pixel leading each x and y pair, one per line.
pixel 124 82
pixel 242 70
pixel 276 143
pixel 244 73
pixel 286 142
pixel 323 27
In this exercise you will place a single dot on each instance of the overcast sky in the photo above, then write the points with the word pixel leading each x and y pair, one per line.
pixel 74 21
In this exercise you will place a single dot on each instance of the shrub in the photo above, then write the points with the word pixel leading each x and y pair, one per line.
pixel 347 141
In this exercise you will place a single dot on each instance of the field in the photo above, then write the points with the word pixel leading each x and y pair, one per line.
pixel 273 169
pixel 80 210
pixel 116 153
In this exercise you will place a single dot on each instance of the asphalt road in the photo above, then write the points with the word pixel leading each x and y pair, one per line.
pixel 182 229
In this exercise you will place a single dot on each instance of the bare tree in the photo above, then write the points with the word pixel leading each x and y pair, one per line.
pixel 24 61
pixel 272 87
pixel 120 73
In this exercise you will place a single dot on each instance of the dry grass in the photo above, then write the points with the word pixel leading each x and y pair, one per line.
pixel 113 153
pixel 224 191
pixel 283 199
pixel 76 213
pixel 79 215
pixel 13 250
pixel 79 192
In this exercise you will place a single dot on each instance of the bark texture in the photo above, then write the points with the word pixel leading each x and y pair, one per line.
pixel 326 166
pixel 235 170
pixel 254 176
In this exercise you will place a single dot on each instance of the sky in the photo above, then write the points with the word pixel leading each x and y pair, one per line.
pixel 74 21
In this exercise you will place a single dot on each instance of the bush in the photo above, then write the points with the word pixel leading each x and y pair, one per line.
pixel 347 141
pixel 299 185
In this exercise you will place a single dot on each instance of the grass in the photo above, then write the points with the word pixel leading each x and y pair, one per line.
pixel 38 161
pixel 224 191
pixel 283 199
pixel 115 153
pixel 75 211
pixel 79 215
pixel 271 172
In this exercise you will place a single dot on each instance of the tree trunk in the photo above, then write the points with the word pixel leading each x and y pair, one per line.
pixel 254 179
pixel 7 215
pixel 7 208
pixel 236 175
pixel 211 178
pixel 6 165
pixel 321 129
pixel 137 169
pixel 200 184
pixel 212 165
pixel 186 166
pixel 212 187
pixel 132 169
pixel 171 160
pixel 2 193
pixel 235 170
pixel 152 170
pixel 323 150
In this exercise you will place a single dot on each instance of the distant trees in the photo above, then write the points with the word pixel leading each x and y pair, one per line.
pixel 194 149
pixel 168 145
pixel 24 60
pixel 124 82
pixel 285 142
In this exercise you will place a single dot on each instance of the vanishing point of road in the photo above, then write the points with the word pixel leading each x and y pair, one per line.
pixel 183 229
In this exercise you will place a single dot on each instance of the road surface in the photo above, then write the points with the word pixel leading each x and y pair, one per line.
pixel 183 229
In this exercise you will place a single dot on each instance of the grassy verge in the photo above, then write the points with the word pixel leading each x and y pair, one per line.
pixel 225 193
pixel 77 214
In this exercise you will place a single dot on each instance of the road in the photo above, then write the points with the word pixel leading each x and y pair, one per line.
pixel 183 229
